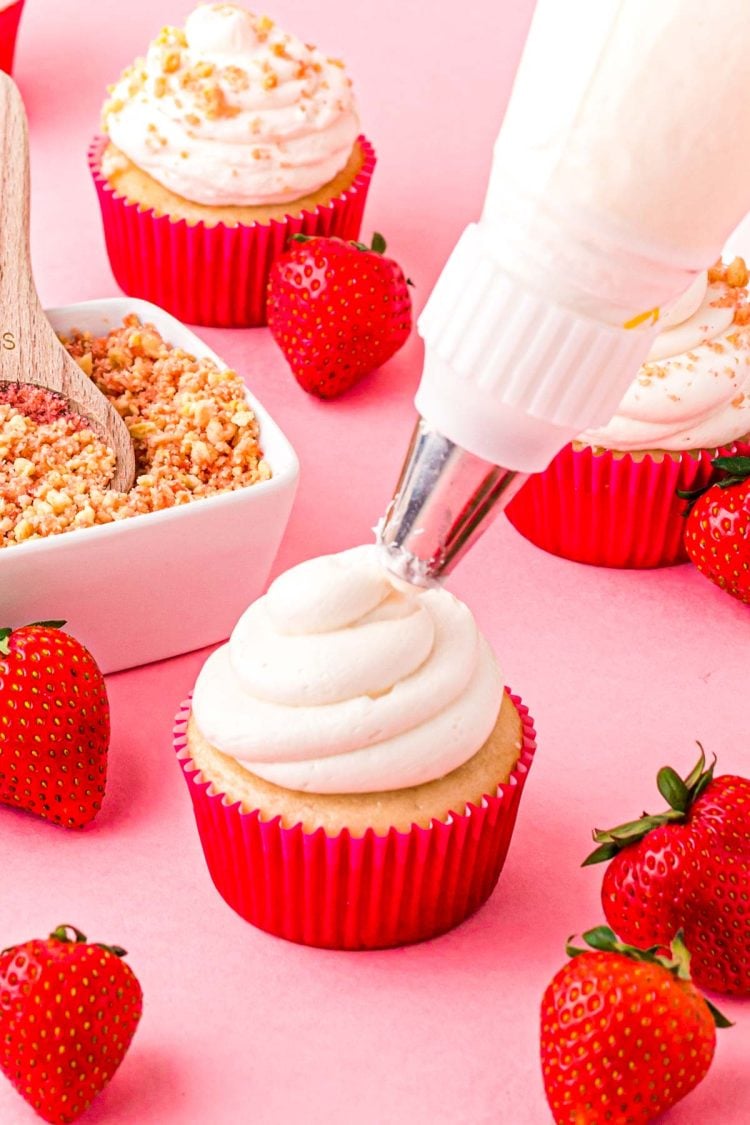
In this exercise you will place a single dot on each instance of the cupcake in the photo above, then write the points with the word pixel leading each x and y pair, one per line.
pixel 229 137
pixel 354 761
pixel 10 17
pixel 610 498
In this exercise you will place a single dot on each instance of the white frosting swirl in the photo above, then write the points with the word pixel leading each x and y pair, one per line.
pixel 343 680
pixel 694 390
pixel 233 111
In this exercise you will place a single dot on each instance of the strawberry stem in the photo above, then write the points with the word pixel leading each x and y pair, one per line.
pixel 117 950
pixel 62 934
pixel 377 246
pixel 605 940
pixel 6 632
pixel 679 793
pixel 727 471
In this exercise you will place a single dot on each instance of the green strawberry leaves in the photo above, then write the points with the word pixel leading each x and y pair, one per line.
pixel 673 789
pixel 603 939
pixel 6 632
pixel 728 471
pixel 737 470
pixel 679 793
pixel 719 1018
pixel 377 246
pixel 613 840
pixel 62 934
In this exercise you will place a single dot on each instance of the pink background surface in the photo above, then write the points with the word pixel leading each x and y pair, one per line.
pixel 622 671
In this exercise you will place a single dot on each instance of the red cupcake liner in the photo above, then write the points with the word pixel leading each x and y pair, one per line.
pixel 347 892
pixel 213 276
pixel 611 510
pixel 9 21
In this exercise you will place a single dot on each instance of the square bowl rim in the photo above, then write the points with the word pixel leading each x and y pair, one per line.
pixel 286 463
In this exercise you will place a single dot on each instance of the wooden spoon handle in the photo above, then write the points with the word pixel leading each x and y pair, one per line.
pixel 18 296
pixel 29 349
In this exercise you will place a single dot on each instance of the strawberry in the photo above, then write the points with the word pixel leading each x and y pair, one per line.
pixel 54 725
pixel 337 310
pixel 68 1011
pixel 717 531
pixel 624 1033
pixel 687 869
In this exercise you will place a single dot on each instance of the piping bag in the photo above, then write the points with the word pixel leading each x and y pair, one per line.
pixel 622 166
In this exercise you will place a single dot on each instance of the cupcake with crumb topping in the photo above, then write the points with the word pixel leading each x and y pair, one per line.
pixel 354 761
pixel 611 497
pixel 10 18
pixel 227 138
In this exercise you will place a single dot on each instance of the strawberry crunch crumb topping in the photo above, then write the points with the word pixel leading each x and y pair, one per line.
pixel 734 273
pixel 40 404
pixel 192 428
pixel 735 276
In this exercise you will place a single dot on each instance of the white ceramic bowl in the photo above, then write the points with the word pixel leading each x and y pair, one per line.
pixel 155 585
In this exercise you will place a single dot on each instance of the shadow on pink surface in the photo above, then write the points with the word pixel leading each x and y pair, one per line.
pixel 725 1088
pixel 145 1087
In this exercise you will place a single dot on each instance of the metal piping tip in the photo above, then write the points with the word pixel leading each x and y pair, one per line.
pixel 445 498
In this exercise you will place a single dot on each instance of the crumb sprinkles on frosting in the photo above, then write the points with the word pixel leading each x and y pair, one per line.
pixel 193 431
pixel 693 392
pixel 233 111
pixel 735 274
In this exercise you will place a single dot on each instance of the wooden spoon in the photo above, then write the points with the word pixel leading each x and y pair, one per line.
pixel 30 352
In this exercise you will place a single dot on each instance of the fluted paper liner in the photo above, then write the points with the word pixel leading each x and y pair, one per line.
pixel 612 510
pixel 346 892
pixel 214 276
pixel 9 21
